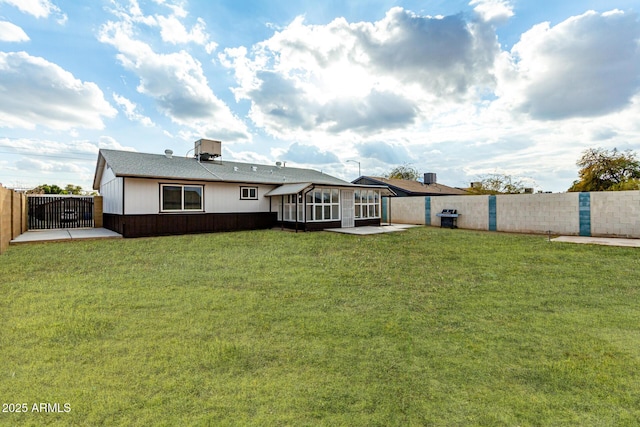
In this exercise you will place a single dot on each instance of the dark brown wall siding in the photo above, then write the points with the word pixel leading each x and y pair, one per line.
pixel 373 222
pixel 162 225
pixel 318 226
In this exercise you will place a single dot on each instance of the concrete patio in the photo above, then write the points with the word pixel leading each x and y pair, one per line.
pixel 364 231
pixel 608 241
pixel 60 235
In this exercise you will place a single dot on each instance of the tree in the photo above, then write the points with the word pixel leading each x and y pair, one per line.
pixel 604 170
pixel 497 183
pixel 54 189
pixel 403 172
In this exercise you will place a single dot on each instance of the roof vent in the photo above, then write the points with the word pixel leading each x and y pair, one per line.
pixel 279 164
pixel 235 169
pixel 254 168
pixel 168 153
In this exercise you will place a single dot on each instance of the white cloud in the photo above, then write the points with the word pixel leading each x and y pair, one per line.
pixel 176 82
pixel 36 92
pixel 12 33
pixel 309 80
pixel 113 144
pixel 174 32
pixel 50 166
pixel 494 11
pixel 130 110
pixel 586 66
pixel 38 8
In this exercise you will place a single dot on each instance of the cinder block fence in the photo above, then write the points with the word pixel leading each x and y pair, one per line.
pixel 610 213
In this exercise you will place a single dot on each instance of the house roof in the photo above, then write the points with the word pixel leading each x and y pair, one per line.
pixel 415 187
pixel 143 165
pixel 286 189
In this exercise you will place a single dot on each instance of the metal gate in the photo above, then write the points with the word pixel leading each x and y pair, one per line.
pixel 59 211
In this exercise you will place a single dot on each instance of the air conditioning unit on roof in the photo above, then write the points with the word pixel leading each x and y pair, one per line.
pixel 206 149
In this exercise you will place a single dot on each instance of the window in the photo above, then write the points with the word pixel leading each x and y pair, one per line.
pixel 323 204
pixel 178 198
pixel 367 204
pixel 289 209
pixel 248 193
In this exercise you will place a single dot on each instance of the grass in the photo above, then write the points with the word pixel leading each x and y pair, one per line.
pixel 426 327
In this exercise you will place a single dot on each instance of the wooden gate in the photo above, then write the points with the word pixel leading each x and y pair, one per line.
pixel 59 211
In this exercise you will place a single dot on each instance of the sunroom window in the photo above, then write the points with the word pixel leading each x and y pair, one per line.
pixel 323 204
pixel 178 198
pixel 367 204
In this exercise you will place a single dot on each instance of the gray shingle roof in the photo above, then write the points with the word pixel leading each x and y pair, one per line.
pixel 134 164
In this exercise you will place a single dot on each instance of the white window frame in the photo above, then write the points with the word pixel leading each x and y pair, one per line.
pixel 289 208
pixel 182 197
pixel 323 204
pixel 367 204
pixel 249 190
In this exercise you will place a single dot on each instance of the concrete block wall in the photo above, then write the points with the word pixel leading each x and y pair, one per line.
pixel 538 213
pixel 407 210
pixel 473 210
pixel 612 213
pixel 615 213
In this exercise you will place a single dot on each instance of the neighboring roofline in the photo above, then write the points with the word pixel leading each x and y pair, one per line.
pixel 406 190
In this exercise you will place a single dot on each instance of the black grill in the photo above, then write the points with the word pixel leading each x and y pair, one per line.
pixel 448 218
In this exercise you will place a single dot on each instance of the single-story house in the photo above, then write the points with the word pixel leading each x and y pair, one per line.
pixel 405 187
pixel 154 194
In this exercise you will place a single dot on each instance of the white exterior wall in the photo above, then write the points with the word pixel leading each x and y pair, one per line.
pixel 615 213
pixel 111 192
pixel 538 213
pixel 142 197
pixel 225 198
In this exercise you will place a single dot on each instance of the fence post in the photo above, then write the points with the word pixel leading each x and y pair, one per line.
pixel 24 224
pixel 97 212
pixel 5 218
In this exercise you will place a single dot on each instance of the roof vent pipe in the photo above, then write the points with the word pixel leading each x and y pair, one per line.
pixel 168 153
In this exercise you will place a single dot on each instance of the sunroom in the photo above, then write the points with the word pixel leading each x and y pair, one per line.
pixel 312 207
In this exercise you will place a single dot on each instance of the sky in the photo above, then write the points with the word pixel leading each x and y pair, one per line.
pixel 458 88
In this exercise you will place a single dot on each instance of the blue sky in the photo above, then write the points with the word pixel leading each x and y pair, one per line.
pixel 459 88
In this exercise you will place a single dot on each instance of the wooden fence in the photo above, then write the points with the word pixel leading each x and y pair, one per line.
pixel 13 216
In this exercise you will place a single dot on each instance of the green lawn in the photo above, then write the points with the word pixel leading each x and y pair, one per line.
pixel 426 327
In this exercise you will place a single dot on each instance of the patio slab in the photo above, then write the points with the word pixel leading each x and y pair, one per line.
pixel 608 241
pixel 32 236
pixel 364 231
